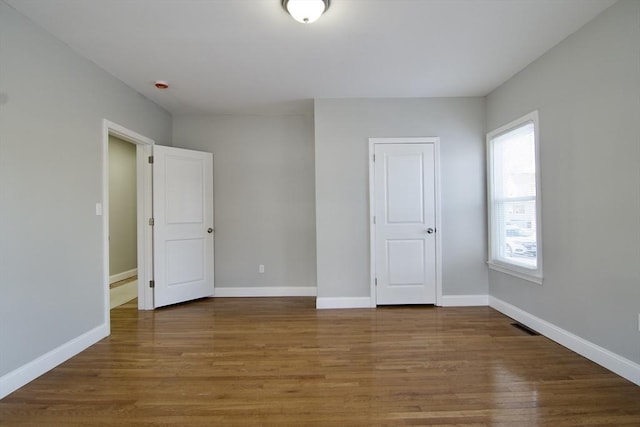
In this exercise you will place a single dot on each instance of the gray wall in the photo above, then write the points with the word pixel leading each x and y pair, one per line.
pixel 587 90
pixel 342 129
pixel 122 206
pixel 52 103
pixel 264 196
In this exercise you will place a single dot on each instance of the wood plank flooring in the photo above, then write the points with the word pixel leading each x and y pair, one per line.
pixel 278 361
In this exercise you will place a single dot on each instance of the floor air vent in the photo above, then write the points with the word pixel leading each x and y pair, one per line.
pixel 524 328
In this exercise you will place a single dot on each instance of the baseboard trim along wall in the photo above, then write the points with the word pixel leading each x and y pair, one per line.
pixel 124 275
pixel 603 357
pixel 353 302
pixel 464 300
pixel 265 291
pixel 365 302
pixel 32 370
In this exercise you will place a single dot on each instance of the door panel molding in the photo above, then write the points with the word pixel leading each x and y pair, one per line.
pixel 435 141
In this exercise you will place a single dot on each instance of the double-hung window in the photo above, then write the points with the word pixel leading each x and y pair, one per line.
pixel 513 184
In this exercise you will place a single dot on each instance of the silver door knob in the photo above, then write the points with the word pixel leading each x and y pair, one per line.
pixel 209 230
pixel 430 230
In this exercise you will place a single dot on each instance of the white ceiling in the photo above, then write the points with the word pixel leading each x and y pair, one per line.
pixel 249 56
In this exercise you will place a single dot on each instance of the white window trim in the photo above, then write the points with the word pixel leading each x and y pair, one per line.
pixel 531 275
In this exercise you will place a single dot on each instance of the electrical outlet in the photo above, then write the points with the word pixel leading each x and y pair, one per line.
pixel 261 268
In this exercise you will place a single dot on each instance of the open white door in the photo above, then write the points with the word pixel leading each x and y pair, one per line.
pixel 405 223
pixel 183 225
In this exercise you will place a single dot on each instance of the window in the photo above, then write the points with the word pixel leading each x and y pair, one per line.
pixel 513 184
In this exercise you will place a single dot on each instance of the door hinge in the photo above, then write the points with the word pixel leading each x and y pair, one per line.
pixel 374 219
pixel 152 283
pixel 151 221
pixel 150 159
pixel 376 281
pixel 374 158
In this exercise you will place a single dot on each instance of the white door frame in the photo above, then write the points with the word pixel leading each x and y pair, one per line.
pixel 144 149
pixel 372 234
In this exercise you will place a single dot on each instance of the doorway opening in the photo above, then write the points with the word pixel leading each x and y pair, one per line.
pixel 123 246
pixel 143 211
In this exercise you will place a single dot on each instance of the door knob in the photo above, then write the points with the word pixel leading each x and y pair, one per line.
pixel 430 230
pixel 209 230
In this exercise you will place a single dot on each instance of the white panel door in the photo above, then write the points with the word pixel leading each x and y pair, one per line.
pixel 183 225
pixel 404 206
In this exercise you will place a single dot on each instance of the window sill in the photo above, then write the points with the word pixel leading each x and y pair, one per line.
pixel 515 271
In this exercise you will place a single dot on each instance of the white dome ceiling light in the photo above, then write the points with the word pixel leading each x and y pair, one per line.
pixel 305 11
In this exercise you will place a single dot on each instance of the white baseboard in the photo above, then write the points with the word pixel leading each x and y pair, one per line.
pixel 447 301
pixel 357 302
pixel 464 300
pixel 603 357
pixel 124 275
pixel 18 377
pixel 265 291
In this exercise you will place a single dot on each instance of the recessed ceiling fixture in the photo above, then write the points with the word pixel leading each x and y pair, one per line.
pixel 161 84
pixel 305 11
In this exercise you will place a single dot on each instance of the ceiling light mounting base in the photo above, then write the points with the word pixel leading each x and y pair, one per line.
pixel 161 84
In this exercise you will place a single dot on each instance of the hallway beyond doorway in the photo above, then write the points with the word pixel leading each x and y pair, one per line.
pixel 123 291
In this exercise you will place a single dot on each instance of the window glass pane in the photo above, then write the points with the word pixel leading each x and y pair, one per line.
pixel 514 197
pixel 516 232
pixel 514 163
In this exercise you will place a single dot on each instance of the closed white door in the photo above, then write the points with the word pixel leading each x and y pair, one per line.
pixel 405 232
pixel 183 225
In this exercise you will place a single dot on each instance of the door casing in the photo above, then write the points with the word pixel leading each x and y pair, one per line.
pixel 144 149
pixel 372 236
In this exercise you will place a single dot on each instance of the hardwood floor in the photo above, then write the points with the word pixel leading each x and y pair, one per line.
pixel 278 361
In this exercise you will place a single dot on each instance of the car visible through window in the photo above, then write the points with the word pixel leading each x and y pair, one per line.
pixel 520 242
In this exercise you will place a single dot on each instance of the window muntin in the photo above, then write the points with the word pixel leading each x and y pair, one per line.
pixel 513 181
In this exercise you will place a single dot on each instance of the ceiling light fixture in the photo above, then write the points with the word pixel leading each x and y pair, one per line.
pixel 305 11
